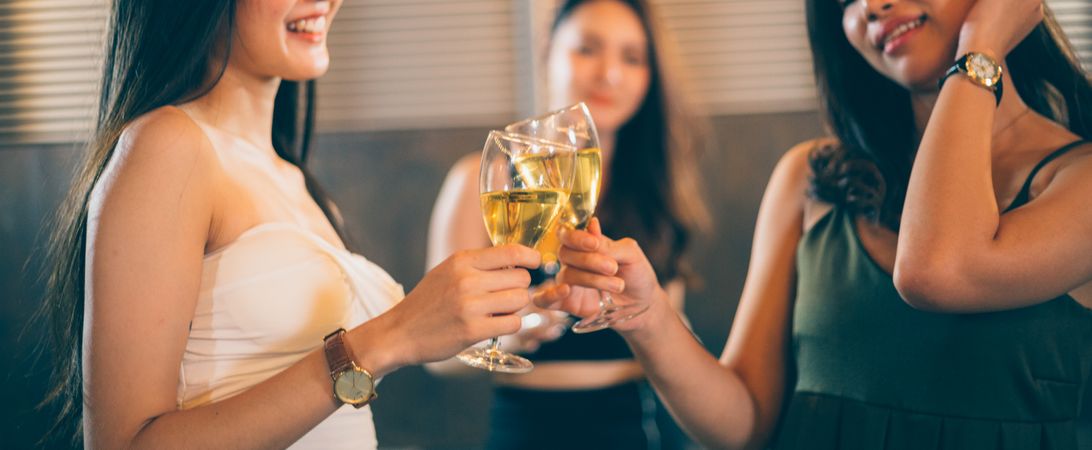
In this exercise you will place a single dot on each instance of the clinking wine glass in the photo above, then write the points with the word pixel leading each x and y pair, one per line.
pixel 524 184
pixel 574 126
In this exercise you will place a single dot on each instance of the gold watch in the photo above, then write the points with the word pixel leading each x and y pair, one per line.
pixel 981 70
pixel 352 384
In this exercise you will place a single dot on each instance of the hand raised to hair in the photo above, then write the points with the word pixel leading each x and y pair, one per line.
pixel 995 27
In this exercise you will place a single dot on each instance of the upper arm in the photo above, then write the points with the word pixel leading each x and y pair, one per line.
pixel 1040 251
pixel 148 222
pixel 456 222
pixel 756 348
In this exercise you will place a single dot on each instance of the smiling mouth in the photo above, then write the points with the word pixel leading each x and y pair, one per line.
pixel 312 25
pixel 903 29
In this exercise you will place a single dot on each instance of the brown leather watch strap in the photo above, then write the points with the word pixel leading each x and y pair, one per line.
pixel 337 358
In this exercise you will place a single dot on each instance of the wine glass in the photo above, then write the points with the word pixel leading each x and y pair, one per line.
pixel 525 184
pixel 574 126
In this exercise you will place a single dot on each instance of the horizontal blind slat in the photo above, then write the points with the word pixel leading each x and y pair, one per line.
pixel 419 64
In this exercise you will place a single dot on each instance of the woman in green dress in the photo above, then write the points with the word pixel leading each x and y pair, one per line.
pixel 921 278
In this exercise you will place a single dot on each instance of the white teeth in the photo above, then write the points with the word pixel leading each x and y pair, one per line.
pixel 902 29
pixel 314 25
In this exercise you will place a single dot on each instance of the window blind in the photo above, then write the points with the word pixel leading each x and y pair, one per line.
pixel 743 56
pixel 420 64
pixel 50 53
pixel 436 63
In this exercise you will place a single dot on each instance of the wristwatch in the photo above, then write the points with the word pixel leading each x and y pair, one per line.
pixel 352 384
pixel 980 69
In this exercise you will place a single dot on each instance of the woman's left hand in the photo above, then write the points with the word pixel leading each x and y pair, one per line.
pixel 995 27
pixel 591 263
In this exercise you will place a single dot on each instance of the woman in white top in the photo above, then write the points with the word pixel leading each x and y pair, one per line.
pixel 199 269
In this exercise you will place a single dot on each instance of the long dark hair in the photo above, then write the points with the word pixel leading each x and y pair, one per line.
pixel 867 170
pixel 156 54
pixel 654 193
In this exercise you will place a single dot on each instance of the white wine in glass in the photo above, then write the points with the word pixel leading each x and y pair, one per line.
pixel 518 207
pixel 574 126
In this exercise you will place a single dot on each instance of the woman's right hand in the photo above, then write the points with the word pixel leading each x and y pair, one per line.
pixel 470 297
pixel 590 262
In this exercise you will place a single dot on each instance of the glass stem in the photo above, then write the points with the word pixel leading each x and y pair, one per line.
pixel 494 344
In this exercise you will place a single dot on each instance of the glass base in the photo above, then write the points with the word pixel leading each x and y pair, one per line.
pixel 494 360
pixel 608 316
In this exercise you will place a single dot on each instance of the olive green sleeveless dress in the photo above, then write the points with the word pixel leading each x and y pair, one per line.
pixel 874 373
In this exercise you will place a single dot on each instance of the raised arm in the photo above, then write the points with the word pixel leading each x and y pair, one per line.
pixel 733 402
pixel 956 251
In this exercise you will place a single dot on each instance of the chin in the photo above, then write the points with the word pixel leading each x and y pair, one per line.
pixel 304 75
pixel 301 72
pixel 606 118
pixel 916 77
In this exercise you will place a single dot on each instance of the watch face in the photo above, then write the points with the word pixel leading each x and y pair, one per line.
pixel 985 69
pixel 353 386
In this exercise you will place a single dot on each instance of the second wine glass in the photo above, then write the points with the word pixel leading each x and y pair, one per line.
pixel 525 185
pixel 574 126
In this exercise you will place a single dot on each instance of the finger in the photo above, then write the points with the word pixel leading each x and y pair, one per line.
pixel 503 279
pixel 578 277
pixel 501 325
pixel 595 227
pixel 626 251
pixel 583 302
pixel 506 302
pixel 549 297
pixel 582 240
pixel 509 255
pixel 590 261
pixel 580 302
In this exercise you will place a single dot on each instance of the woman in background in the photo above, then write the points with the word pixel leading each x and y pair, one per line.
pixel 920 280
pixel 202 287
pixel 586 390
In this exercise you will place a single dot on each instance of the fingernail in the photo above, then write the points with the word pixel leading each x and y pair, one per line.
pixel 619 286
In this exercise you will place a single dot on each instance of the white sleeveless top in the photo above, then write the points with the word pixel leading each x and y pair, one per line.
pixel 266 300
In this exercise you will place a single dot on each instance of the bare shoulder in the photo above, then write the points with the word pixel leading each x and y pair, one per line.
pixel 467 166
pixel 163 152
pixel 792 177
pixel 463 176
pixel 795 163
pixel 165 138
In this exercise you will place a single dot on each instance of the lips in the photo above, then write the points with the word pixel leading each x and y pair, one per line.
pixel 600 99
pixel 895 29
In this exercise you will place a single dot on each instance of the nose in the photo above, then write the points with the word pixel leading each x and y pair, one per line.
pixel 877 8
pixel 610 70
